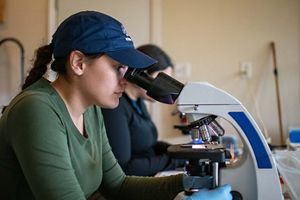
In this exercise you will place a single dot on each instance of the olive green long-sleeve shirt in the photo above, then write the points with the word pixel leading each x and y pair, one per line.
pixel 43 155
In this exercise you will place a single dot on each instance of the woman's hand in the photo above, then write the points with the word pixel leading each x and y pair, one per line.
pixel 220 193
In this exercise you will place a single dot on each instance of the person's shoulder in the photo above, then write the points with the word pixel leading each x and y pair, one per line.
pixel 28 102
pixel 29 98
pixel 39 92
pixel 39 96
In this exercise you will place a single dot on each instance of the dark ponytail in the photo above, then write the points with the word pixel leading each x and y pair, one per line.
pixel 43 56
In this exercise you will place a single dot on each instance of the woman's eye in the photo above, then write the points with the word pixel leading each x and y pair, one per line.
pixel 122 69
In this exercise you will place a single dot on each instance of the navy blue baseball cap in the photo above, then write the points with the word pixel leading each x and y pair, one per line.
pixel 93 32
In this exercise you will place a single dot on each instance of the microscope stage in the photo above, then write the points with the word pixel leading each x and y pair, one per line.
pixel 211 152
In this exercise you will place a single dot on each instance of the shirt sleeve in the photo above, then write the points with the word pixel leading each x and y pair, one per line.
pixel 149 188
pixel 38 138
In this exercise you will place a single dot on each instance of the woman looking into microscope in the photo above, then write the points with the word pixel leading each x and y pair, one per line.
pixel 53 143
pixel 130 129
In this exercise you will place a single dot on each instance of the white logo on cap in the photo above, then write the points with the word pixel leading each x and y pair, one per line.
pixel 127 38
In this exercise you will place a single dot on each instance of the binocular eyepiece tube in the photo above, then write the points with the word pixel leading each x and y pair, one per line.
pixel 163 88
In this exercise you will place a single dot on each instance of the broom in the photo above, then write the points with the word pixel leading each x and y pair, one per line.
pixel 277 92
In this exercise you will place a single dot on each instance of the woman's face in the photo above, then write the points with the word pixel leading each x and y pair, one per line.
pixel 143 92
pixel 103 81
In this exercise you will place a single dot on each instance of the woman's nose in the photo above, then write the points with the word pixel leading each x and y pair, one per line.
pixel 123 81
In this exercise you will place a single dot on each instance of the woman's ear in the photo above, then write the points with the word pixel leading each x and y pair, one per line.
pixel 76 60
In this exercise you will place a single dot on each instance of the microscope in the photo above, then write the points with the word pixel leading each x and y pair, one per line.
pixel 254 176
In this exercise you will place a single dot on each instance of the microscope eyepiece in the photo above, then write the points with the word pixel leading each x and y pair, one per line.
pixel 139 78
pixel 163 88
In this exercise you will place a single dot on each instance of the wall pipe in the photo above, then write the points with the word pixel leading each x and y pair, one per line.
pixel 22 54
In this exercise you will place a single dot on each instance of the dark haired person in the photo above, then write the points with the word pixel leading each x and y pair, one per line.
pixel 53 143
pixel 131 132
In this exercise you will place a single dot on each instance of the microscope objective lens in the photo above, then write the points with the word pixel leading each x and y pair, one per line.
pixel 205 135
pixel 216 128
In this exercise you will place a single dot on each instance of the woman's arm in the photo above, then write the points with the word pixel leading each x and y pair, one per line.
pixel 149 188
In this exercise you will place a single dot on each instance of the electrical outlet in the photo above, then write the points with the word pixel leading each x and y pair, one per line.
pixel 183 70
pixel 245 69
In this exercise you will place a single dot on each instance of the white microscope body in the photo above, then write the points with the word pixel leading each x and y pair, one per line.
pixel 255 176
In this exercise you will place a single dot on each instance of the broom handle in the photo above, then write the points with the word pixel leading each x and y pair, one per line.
pixel 277 92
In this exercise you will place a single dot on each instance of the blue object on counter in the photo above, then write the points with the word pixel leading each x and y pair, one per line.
pixel 294 135
pixel 230 141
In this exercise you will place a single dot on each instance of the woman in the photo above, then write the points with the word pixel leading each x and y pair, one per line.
pixel 130 129
pixel 53 143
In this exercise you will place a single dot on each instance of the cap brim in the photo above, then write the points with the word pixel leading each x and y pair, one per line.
pixel 132 58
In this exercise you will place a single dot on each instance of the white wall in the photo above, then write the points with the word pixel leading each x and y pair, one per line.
pixel 214 36
pixel 27 22
pixel 133 14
